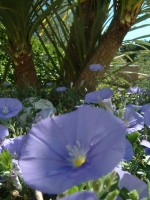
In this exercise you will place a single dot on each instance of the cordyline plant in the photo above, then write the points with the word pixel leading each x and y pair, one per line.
pixel 20 19
pixel 82 32
pixel 104 26
pixel 91 32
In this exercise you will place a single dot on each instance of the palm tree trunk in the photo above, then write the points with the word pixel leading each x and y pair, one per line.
pixel 105 52
pixel 24 71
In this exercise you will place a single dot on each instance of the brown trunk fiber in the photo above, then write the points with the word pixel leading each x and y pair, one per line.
pixel 24 71
pixel 105 52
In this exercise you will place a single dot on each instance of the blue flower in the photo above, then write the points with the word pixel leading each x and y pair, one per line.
pixel 134 107
pixel 69 149
pixel 133 120
pixel 96 67
pixel 14 145
pixel 147 118
pixel 131 182
pixel 98 96
pixel 86 195
pixel 61 89
pixel 145 107
pixel 135 90
pixel 6 84
pixel 9 107
pixel 128 151
pixel 146 144
pixel 49 84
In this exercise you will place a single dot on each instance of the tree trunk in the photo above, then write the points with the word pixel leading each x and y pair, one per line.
pixel 73 57
pixel 105 52
pixel 24 71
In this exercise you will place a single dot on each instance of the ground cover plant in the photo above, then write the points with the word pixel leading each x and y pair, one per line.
pixel 56 144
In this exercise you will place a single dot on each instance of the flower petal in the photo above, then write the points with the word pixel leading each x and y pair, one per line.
pixel 45 160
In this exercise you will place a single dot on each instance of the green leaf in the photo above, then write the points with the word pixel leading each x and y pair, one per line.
pixel 6 160
pixel 133 195
pixel 112 195
pixel 73 190
pixel 106 185
pixel 1 167
pixel 123 193
pixel 133 137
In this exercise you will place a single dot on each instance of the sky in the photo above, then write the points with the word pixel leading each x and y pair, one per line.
pixel 140 32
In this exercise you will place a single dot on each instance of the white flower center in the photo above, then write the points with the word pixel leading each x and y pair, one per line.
pixel 77 154
pixel 5 110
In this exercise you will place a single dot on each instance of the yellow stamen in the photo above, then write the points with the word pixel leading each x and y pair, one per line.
pixel 79 160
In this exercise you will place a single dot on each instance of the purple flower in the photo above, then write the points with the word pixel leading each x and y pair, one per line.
pixel 6 84
pixel 147 118
pixel 96 67
pixel 60 89
pixel 133 120
pixel 128 151
pixel 86 195
pixel 134 107
pixel 146 144
pixel 14 145
pixel 130 182
pixel 98 96
pixel 135 90
pixel 66 150
pixel 145 107
pixel 9 107
pixel 3 133
pixel 49 84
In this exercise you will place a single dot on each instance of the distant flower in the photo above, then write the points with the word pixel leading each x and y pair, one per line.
pixel 131 182
pixel 60 89
pixel 86 195
pixel 72 148
pixel 136 90
pixel 47 112
pixel 133 120
pixel 43 104
pixel 9 107
pixel 6 84
pixel 49 84
pixel 14 145
pixel 3 133
pixel 96 67
pixel 98 96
